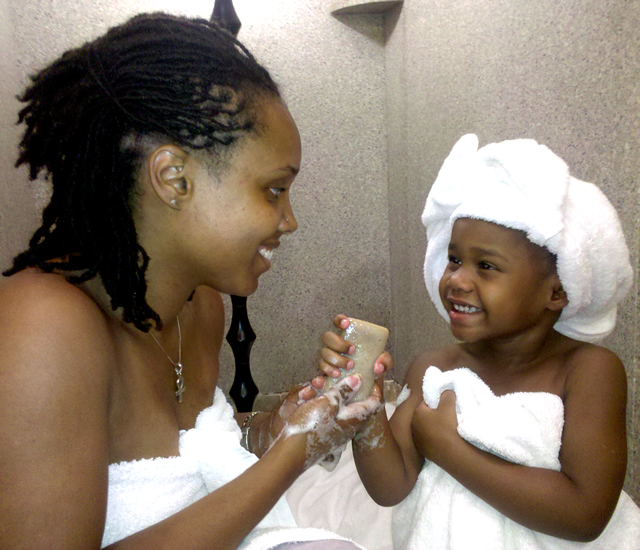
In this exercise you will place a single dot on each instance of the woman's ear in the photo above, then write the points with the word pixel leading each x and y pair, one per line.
pixel 559 299
pixel 167 175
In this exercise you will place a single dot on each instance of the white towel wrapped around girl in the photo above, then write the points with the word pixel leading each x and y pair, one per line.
pixel 520 185
pixel 523 428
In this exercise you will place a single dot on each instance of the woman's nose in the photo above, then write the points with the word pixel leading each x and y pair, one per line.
pixel 288 222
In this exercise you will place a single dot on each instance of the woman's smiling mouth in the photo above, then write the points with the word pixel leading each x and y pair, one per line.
pixel 459 308
pixel 266 253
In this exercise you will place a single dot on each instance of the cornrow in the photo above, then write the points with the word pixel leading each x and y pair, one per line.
pixel 157 76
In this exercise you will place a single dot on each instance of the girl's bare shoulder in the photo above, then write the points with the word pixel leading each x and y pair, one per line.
pixel 590 365
pixel 445 358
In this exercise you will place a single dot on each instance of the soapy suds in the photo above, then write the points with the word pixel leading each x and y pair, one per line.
pixel 325 434
pixel 370 437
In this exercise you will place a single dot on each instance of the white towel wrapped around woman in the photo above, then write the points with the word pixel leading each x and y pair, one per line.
pixel 144 492
pixel 524 428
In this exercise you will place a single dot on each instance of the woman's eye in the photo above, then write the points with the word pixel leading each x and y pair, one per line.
pixel 275 191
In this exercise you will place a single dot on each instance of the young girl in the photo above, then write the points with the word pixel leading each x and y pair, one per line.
pixel 515 437
pixel 171 156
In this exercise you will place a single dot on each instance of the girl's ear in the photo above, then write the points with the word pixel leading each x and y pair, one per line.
pixel 558 299
pixel 168 177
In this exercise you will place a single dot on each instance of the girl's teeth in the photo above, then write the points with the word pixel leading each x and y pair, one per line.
pixel 266 253
pixel 465 309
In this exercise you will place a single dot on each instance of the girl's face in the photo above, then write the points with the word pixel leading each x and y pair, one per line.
pixel 241 214
pixel 497 284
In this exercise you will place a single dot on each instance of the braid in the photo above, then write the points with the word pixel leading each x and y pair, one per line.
pixel 185 80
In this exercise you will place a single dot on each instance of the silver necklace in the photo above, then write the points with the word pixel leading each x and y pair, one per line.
pixel 177 366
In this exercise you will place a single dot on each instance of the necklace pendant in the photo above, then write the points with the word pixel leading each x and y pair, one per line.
pixel 179 382
pixel 179 392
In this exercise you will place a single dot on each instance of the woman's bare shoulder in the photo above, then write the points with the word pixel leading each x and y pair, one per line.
pixel 44 294
pixel 47 322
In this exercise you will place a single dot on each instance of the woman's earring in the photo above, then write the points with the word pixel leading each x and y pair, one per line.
pixel 174 202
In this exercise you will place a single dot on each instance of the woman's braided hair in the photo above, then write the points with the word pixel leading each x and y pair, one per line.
pixel 158 76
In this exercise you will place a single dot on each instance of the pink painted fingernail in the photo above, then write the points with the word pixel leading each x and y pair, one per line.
pixel 350 364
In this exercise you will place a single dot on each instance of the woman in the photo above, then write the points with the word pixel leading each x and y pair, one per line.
pixel 171 156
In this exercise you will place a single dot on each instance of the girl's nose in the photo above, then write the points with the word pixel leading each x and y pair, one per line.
pixel 459 280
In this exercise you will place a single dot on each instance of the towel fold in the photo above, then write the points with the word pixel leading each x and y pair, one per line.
pixel 523 185
pixel 524 428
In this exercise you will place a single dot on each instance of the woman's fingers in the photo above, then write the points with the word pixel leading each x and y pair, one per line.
pixel 318 382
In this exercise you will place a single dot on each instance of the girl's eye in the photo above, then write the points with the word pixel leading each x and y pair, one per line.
pixel 485 265
pixel 453 260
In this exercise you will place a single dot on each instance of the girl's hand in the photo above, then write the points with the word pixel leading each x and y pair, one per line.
pixel 335 354
pixel 435 430
pixel 326 421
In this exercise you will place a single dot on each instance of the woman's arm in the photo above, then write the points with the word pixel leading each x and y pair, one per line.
pixel 53 416
pixel 56 371
pixel 575 503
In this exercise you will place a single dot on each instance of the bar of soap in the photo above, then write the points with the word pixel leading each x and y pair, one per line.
pixel 370 341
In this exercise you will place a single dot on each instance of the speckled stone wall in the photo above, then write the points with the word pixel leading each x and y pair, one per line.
pixel 563 73
pixel 331 72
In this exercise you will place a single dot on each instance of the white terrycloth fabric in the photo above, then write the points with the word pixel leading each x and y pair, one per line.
pixel 144 492
pixel 523 185
pixel 525 428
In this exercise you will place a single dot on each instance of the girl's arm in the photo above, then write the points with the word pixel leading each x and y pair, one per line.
pixel 387 470
pixel 385 456
pixel 575 503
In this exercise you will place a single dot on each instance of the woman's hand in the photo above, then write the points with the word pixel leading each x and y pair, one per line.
pixel 434 430
pixel 335 354
pixel 328 421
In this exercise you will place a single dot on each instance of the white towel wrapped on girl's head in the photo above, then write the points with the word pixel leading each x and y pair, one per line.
pixel 523 185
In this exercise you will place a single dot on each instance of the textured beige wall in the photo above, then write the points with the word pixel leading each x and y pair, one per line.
pixel 563 73
pixel 332 74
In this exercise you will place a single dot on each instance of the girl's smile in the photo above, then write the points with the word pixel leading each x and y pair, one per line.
pixel 496 284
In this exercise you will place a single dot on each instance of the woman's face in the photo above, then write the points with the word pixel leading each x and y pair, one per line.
pixel 241 214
